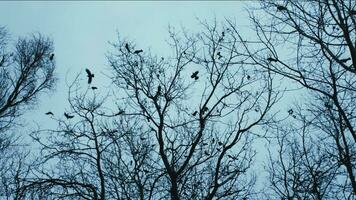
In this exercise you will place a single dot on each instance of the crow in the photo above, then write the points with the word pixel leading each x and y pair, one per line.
pixel 272 59
pixel 68 116
pixel 345 60
pixel 290 111
pixel 90 75
pixel 248 77
pixel 127 48
pixel 195 75
pixel 195 113
pixel 220 143
pixel 49 113
pixel 94 88
pixel 280 8
pixel 51 56
pixel 138 51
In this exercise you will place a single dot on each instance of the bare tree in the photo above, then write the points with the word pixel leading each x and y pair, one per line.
pixel 313 44
pixel 25 72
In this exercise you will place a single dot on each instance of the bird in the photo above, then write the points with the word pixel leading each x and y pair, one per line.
pixel 68 116
pixel 51 56
pixel 248 77
pixel 158 92
pixel 220 143
pixel 280 8
pixel 127 47
pixel 120 112
pixel 206 153
pixel 138 51
pixel 272 59
pixel 290 111
pixel 49 113
pixel 90 75
pixel 195 113
pixel 205 109
pixel 345 60
pixel 219 55
pixel 195 75
pixel 94 88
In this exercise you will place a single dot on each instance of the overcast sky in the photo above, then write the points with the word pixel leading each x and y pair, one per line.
pixel 81 32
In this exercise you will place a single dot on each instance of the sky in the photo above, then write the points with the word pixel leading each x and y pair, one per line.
pixel 81 32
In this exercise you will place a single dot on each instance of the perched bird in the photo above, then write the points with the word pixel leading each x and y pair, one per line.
pixel 138 51
pixel 49 113
pixel 220 143
pixel 51 56
pixel 272 59
pixel 157 93
pixel 248 77
pixel 195 113
pixel 89 75
pixel 127 48
pixel 68 116
pixel 223 33
pixel 345 60
pixel 205 109
pixel 290 111
pixel 219 55
pixel 195 75
pixel 280 8
pixel 120 112
pixel 94 88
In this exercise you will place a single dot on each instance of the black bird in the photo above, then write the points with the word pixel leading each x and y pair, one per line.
pixel 120 112
pixel 195 75
pixel 195 113
pixel 49 113
pixel 94 88
pixel 51 56
pixel 248 77
pixel 138 51
pixel 127 47
pixel 90 75
pixel 219 55
pixel 345 60
pixel 272 59
pixel 205 109
pixel 290 111
pixel 280 8
pixel 220 143
pixel 68 116
pixel 158 92
pixel 223 33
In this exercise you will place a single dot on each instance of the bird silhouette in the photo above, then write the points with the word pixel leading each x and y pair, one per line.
pixel 68 116
pixel 94 88
pixel 219 55
pixel 248 77
pixel 127 48
pixel 49 113
pixel 120 112
pixel 195 113
pixel 89 75
pixel 51 56
pixel 290 111
pixel 138 51
pixel 220 143
pixel 195 75
pixel 280 8
pixel 272 59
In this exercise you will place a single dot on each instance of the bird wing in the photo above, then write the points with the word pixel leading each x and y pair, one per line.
pixel 88 72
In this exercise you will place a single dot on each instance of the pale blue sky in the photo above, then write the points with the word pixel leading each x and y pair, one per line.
pixel 81 31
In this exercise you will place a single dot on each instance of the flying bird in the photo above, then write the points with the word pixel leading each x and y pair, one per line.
pixel 51 56
pixel 127 48
pixel 94 88
pixel 138 51
pixel 89 75
pixel 68 116
pixel 195 75
pixel 280 8
pixel 49 113
pixel 272 59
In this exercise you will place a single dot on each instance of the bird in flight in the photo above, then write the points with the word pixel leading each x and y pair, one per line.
pixel 127 47
pixel 51 56
pixel 90 75
pixel 195 75
pixel 138 51
pixel 49 113
pixel 68 116
pixel 94 88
